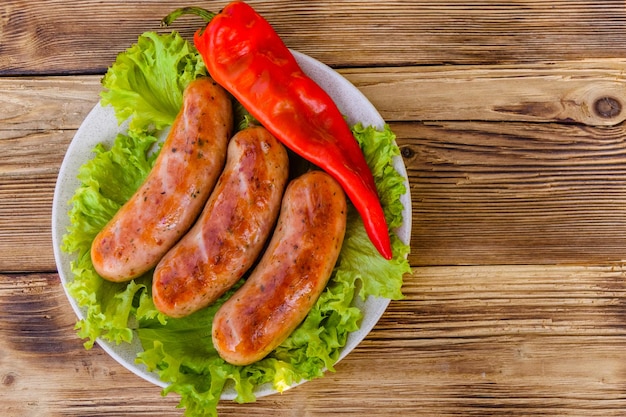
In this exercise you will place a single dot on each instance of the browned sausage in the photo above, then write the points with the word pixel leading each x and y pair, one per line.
pixel 232 229
pixel 176 189
pixel 291 274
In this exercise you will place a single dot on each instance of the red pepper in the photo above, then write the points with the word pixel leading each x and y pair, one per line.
pixel 245 55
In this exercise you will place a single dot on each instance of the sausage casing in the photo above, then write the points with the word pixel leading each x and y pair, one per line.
pixel 291 274
pixel 174 192
pixel 232 229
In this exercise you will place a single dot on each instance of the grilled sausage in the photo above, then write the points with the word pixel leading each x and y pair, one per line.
pixel 174 192
pixel 232 229
pixel 291 274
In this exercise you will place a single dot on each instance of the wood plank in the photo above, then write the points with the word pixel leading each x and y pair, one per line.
pixel 29 165
pixel 44 369
pixel 45 103
pixel 354 34
pixel 512 193
pixel 591 92
pixel 38 118
pixel 499 340
pixel 482 192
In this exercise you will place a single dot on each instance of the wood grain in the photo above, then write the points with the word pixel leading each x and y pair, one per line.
pixel 515 194
pixel 46 103
pixel 500 340
pixel 590 92
pixel 57 36
pixel 510 117
pixel 38 119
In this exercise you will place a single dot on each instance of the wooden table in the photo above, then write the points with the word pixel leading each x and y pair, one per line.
pixel 510 120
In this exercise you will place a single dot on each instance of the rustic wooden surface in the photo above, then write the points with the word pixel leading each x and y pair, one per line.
pixel 510 116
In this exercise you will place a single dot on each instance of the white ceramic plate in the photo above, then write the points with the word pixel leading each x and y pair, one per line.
pixel 100 126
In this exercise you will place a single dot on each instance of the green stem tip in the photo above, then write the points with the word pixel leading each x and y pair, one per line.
pixel 198 11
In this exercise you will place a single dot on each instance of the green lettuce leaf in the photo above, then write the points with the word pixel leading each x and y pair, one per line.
pixel 147 81
pixel 107 181
pixel 377 275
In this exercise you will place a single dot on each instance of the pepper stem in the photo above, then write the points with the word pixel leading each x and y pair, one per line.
pixel 198 11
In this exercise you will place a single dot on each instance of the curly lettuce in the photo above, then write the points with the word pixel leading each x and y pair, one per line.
pixel 147 81
pixel 181 350
pixel 107 181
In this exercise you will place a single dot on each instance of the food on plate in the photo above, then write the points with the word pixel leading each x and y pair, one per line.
pixel 245 55
pixel 144 88
pixel 175 191
pixel 231 231
pixel 291 274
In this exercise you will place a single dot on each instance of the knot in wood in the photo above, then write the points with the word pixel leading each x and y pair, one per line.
pixel 407 152
pixel 607 107
pixel 9 379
